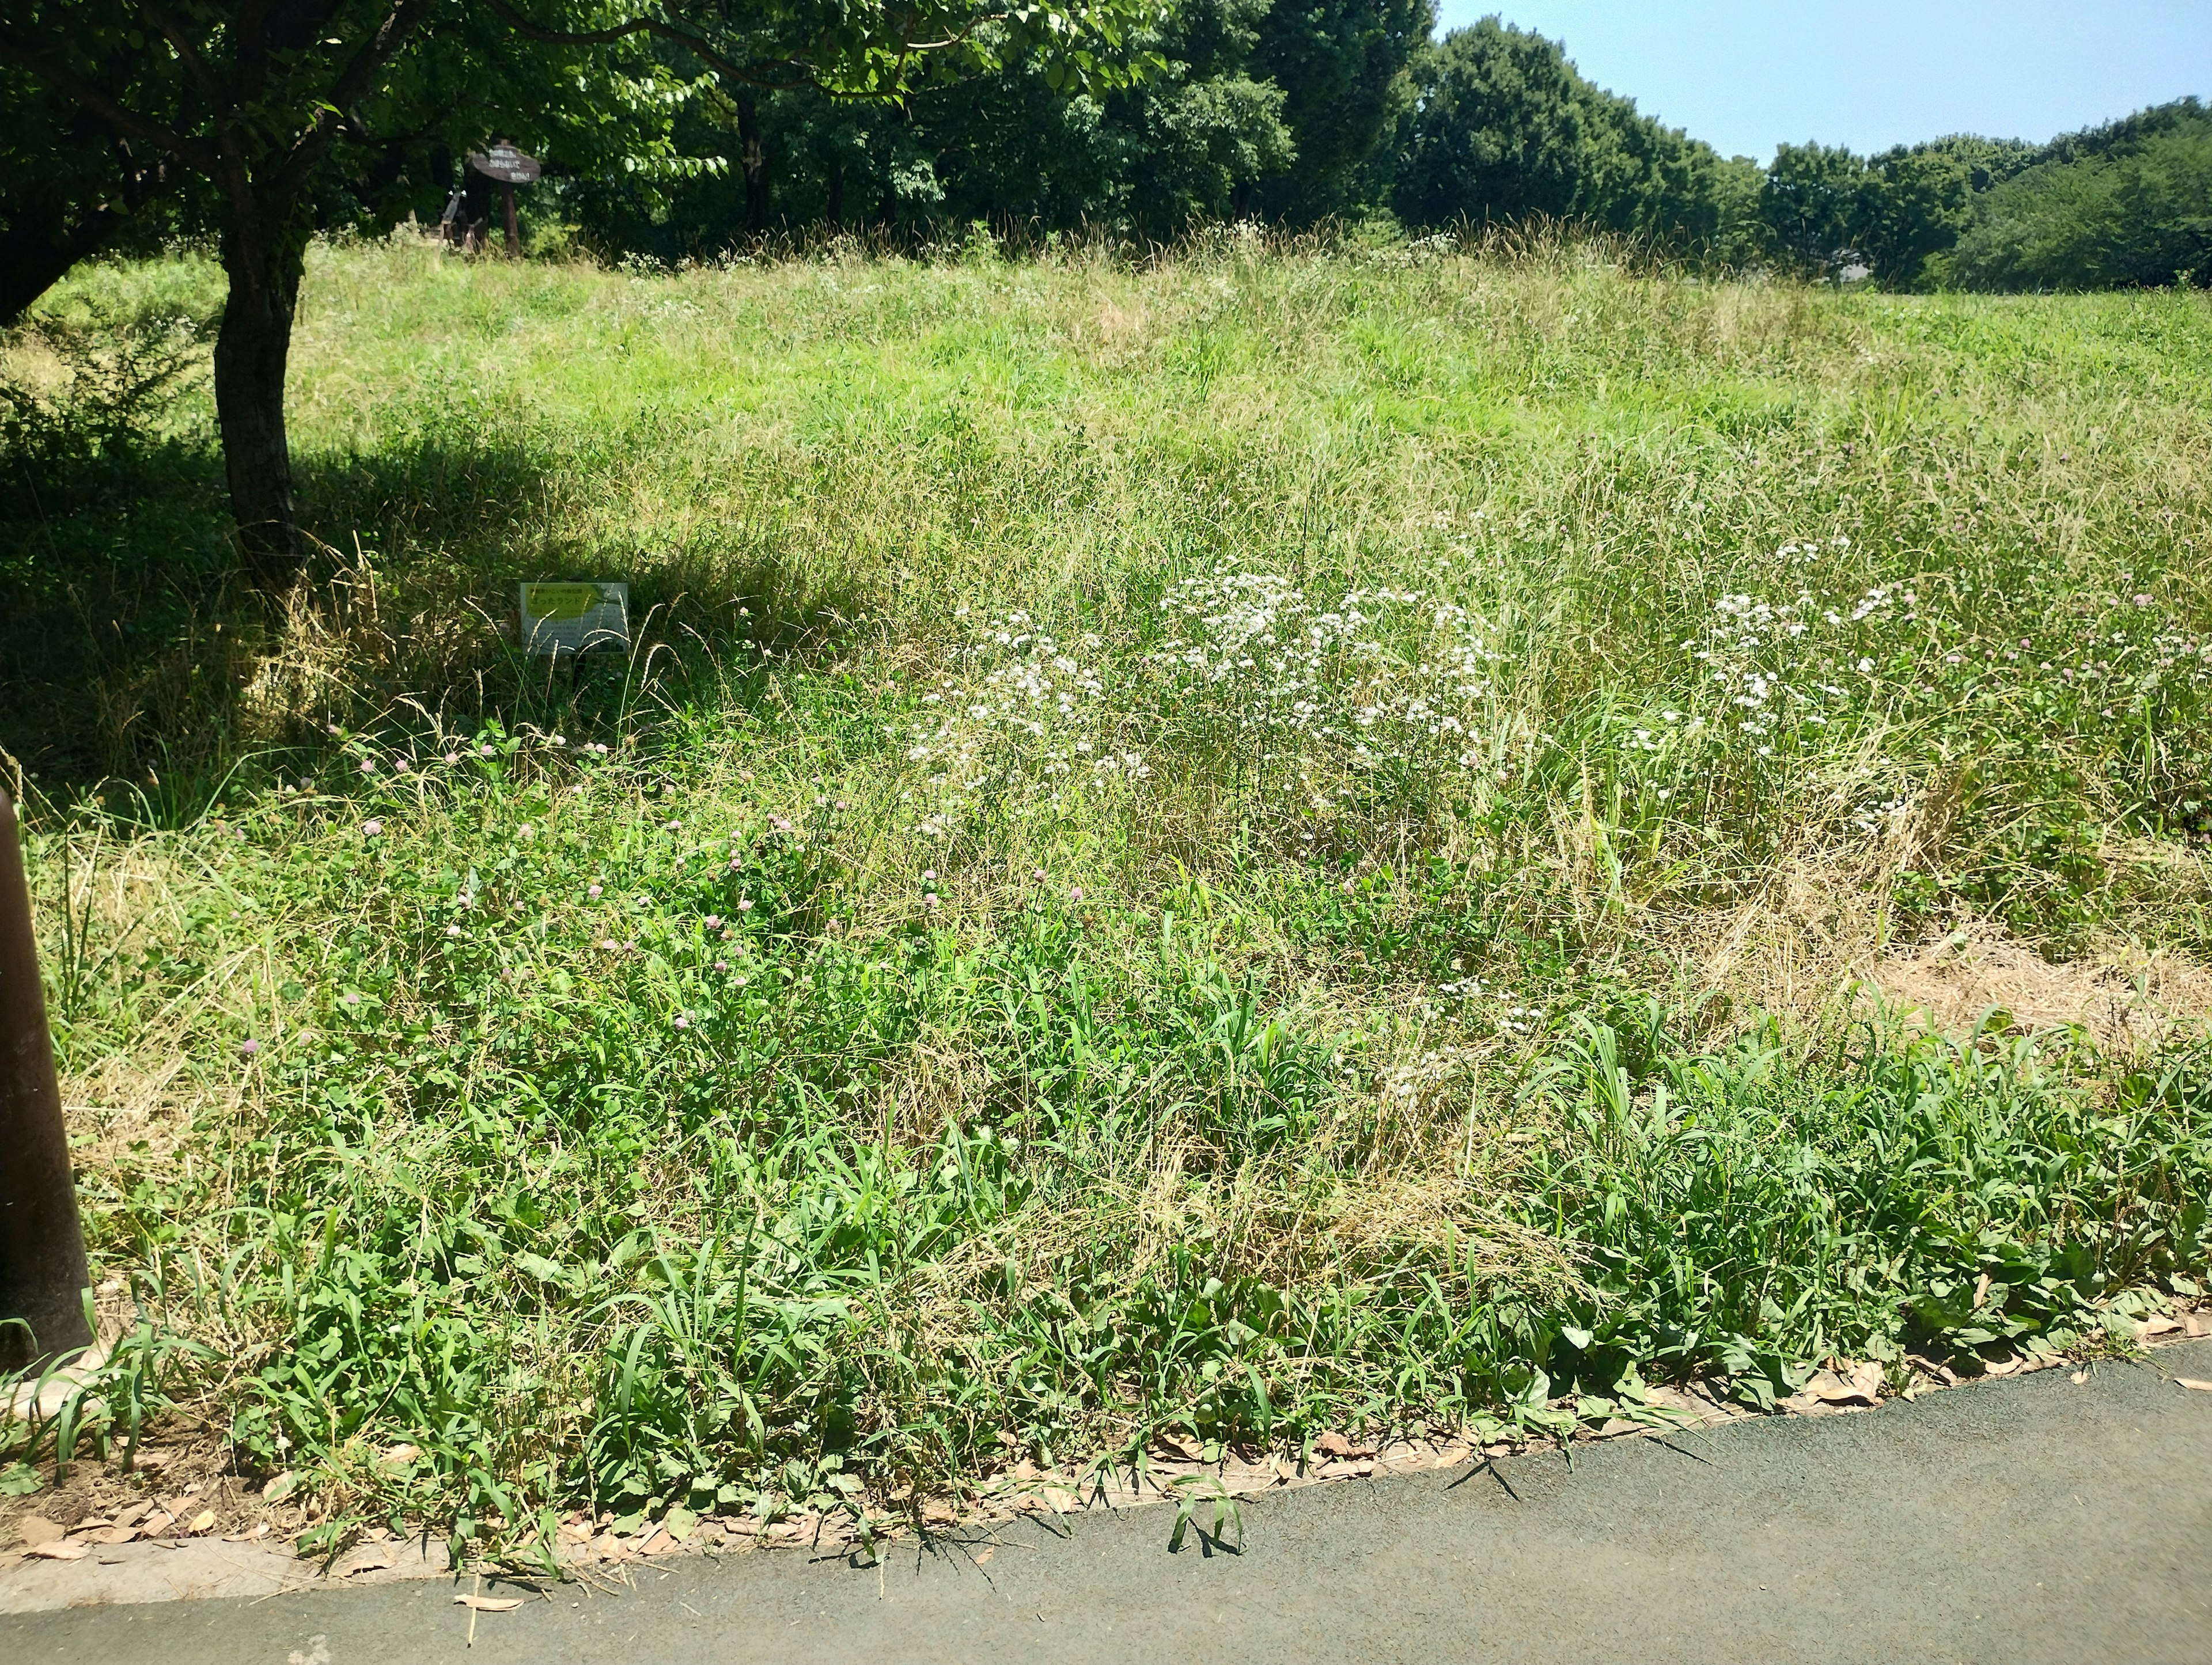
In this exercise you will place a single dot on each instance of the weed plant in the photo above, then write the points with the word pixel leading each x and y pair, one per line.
pixel 1273 842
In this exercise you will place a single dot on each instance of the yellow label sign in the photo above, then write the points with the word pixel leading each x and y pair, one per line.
pixel 573 617
pixel 562 601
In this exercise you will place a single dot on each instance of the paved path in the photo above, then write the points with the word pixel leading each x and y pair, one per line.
pixel 2022 1520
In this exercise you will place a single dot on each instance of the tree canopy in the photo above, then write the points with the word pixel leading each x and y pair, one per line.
pixel 2127 205
pixel 273 103
pixel 1502 127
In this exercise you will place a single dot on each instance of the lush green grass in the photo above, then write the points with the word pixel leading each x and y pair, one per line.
pixel 1273 842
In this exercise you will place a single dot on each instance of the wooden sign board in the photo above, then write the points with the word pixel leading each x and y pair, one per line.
pixel 574 618
pixel 506 164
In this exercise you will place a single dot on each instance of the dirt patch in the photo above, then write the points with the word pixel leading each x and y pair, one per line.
pixel 1815 941
pixel 2123 999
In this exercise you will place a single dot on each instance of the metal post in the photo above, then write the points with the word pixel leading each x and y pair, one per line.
pixel 42 1269
pixel 513 231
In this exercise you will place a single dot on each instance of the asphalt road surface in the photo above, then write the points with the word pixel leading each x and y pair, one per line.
pixel 2034 1519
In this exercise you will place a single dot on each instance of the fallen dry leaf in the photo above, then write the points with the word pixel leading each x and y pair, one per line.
pixel 57 1551
pixel 1334 1444
pixel 1183 1446
pixel 2079 1377
pixel 2156 1324
pixel 2192 1383
pixel 984 1555
pixel 202 1521
pixel 489 1603
pixel 1827 1387
pixel 113 1535
pixel 2198 1323
pixel 37 1529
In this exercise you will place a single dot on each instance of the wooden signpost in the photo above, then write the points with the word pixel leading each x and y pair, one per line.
pixel 42 1267
pixel 510 167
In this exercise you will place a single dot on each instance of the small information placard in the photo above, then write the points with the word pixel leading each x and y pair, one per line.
pixel 574 618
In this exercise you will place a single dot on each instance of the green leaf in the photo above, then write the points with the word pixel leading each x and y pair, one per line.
pixel 18 1480
pixel 545 1271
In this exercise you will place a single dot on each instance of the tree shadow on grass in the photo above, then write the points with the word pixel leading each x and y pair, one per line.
pixel 142 672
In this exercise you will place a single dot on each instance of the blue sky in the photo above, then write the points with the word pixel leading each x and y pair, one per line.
pixel 1744 76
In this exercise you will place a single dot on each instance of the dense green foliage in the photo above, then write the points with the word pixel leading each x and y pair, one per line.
pixel 1292 114
pixel 260 124
pixel 1188 143
pixel 1140 123
pixel 2125 205
pixel 1248 845
pixel 2131 205
pixel 1503 128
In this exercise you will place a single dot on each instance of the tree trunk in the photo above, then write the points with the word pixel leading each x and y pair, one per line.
pixel 749 138
pixel 264 258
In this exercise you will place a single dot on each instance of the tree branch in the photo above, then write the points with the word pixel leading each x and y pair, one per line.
pixel 353 83
pixel 718 62
pixel 114 114
pixel 195 65
pixel 253 47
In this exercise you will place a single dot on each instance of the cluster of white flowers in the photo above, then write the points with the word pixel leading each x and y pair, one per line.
pixel 1440 1071
pixel 1772 673
pixel 1872 820
pixel 1014 706
pixel 1773 665
pixel 1298 673
pixel 1492 1004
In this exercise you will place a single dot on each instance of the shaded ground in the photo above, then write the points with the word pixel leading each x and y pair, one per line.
pixel 2038 1518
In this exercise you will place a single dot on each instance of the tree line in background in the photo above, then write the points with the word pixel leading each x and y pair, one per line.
pixel 1293 112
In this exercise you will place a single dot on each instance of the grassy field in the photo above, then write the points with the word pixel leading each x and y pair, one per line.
pixel 1282 842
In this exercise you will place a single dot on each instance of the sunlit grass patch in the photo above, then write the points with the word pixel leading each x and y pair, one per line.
pixel 1269 844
